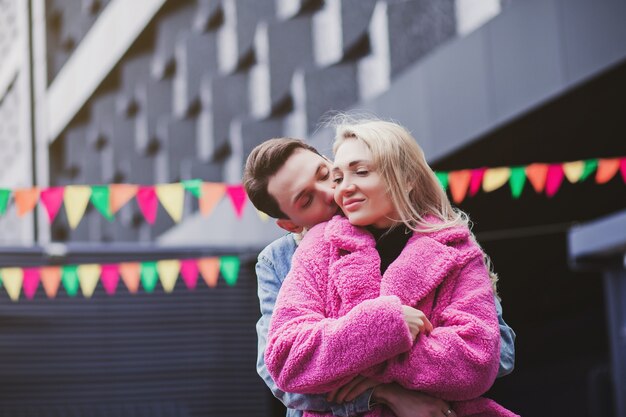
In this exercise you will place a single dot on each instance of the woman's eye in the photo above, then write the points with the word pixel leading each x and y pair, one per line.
pixel 337 180
pixel 325 176
pixel 362 172
pixel 308 202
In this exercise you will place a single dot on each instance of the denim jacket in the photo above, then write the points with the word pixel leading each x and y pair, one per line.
pixel 272 267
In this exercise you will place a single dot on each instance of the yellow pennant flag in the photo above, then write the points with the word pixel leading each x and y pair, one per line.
pixel 172 197
pixel 168 273
pixel 88 276
pixel 75 200
pixel 573 170
pixel 12 279
pixel 264 217
pixel 495 178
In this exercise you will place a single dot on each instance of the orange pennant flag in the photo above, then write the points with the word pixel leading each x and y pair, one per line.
pixel 537 175
pixel 212 193
pixel 209 269
pixel 131 275
pixel 607 169
pixel 26 200
pixel 459 181
pixel 50 279
pixel 120 194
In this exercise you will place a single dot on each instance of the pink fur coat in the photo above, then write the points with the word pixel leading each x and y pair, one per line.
pixel 336 317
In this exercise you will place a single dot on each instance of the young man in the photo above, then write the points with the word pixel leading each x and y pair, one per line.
pixel 291 182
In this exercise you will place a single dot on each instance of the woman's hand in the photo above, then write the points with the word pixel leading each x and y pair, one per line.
pixel 351 390
pixel 417 321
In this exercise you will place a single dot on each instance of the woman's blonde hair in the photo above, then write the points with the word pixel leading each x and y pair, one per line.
pixel 412 185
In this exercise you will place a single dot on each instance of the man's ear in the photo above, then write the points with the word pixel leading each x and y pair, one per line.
pixel 289 226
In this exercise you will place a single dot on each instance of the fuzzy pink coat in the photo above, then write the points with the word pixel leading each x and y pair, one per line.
pixel 337 317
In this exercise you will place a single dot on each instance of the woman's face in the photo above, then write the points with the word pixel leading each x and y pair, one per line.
pixel 360 191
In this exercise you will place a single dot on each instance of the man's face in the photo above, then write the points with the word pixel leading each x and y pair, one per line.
pixel 303 188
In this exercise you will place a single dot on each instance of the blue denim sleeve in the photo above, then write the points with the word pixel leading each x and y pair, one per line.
pixel 507 344
pixel 271 270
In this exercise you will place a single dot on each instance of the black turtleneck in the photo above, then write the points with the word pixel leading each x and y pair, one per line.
pixel 389 243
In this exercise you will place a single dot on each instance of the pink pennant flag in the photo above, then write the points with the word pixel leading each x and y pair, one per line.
pixel 238 197
pixel 622 167
pixel 554 179
pixel 476 180
pixel 31 282
pixel 110 277
pixel 148 203
pixel 52 198
pixel 189 271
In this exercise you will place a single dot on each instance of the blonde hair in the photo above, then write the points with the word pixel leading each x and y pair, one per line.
pixel 412 185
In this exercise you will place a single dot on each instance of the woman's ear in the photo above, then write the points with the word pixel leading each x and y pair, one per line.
pixel 289 226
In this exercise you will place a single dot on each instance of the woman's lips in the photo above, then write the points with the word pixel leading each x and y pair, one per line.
pixel 352 204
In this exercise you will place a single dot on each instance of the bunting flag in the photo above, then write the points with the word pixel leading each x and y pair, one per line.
pixel 495 178
pixel 120 194
pixel 5 193
pixel 75 199
pixel 172 198
pixel 237 196
pixel 554 179
pixel 52 198
pixel 148 204
pixel 574 170
pixel 212 193
pixel 101 200
pixel 458 182
pixel 607 169
pixel 147 274
pixel 477 180
pixel 25 200
pixel 264 217
pixel 537 174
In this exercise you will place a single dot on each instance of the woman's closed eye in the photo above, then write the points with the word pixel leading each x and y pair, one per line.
pixel 307 201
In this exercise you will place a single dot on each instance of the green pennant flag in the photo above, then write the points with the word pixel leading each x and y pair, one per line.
pixel 443 179
pixel 517 181
pixel 194 187
pixel 4 200
pixel 590 166
pixel 149 275
pixel 0 278
pixel 69 278
pixel 229 266
pixel 100 200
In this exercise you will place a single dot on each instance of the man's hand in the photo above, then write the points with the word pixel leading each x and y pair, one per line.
pixel 352 389
pixel 405 403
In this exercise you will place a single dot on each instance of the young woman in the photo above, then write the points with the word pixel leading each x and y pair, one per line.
pixel 396 291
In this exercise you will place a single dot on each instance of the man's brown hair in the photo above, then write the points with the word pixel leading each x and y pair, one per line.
pixel 262 163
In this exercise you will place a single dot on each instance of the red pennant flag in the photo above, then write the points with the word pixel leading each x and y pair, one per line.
pixel 622 165
pixel 607 169
pixel 52 198
pixel 554 179
pixel 458 181
pixel 148 203
pixel 537 175
pixel 31 282
pixel 477 180
pixel 189 271
pixel 237 196
pixel 110 277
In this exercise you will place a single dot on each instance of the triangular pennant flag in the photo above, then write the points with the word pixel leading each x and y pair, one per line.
pixel 459 181
pixel 76 199
pixel 172 197
pixel 4 200
pixel 168 273
pixel 194 187
pixel 50 279
pixel 622 167
pixel 88 276
pixel 264 217
pixel 554 179
pixel 12 280
pixel 495 178
pixel 212 193
pixel 101 200
pixel 607 169
pixel 120 194
pixel 229 266
pixel 537 174
pixel 25 200
pixel 573 170
pixel 590 166
pixel 209 268
pixel 110 277
pixel 517 181
pixel 31 282
pixel 476 181
pixel 443 179
pixel 69 277
pixel 189 272
pixel 149 276
pixel 237 197
pixel 131 274
pixel 52 198
pixel 148 203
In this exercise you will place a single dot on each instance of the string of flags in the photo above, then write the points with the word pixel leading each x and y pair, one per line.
pixel 109 199
pixel 542 176
pixel 16 280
